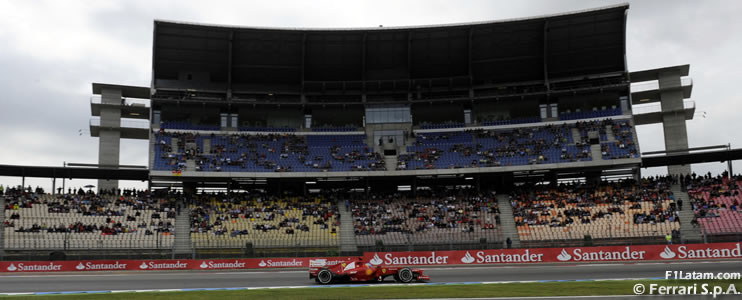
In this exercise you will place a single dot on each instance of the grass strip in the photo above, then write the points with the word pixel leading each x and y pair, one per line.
pixel 571 288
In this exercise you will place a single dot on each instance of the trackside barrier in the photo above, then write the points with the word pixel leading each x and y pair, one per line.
pixel 415 258
pixel 574 254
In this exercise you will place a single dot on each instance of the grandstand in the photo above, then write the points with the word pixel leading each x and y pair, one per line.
pixel 340 140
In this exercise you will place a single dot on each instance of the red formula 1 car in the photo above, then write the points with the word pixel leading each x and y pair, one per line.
pixel 359 270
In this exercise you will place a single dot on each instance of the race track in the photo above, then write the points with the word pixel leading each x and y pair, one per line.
pixel 97 281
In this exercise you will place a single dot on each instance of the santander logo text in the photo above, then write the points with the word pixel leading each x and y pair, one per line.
pixel 30 267
pixel 152 265
pixel 483 257
pixel 280 263
pixel 734 251
pixel 580 254
pixel 222 265
pixel 100 266
pixel 431 259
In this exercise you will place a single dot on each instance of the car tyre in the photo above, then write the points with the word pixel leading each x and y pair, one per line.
pixel 404 275
pixel 324 276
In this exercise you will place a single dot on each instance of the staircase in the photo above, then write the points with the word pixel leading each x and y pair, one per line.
pixel 391 162
pixel 174 145
pixel 609 134
pixel 595 152
pixel 182 243
pixel 347 235
pixel 207 146
pixel 507 221
pixel 576 137
pixel 688 233
pixel 190 165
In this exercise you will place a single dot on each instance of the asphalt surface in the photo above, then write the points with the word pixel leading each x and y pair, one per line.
pixel 133 280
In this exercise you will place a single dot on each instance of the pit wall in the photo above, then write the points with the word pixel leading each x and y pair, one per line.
pixel 418 258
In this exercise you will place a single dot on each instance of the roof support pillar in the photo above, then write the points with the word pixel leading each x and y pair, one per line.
pixel 109 142
pixel 673 117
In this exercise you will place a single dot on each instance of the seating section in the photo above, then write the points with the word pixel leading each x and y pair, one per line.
pixel 266 129
pixel 623 146
pixel 611 210
pixel 590 114
pixel 451 219
pixel 511 121
pixel 716 202
pixel 267 153
pixel 217 221
pixel 182 125
pixel 493 148
pixel 87 221
pixel 442 125
pixel 335 129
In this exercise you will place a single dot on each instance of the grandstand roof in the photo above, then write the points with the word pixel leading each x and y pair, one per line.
pixel 126 90
pixel 74 172
pixel 144 174
pixel 568 45
pixel 653 74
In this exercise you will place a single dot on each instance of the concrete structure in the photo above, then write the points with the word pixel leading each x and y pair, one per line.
pixel 507 221
pixel 670 93
pixel 688 232
pixel 347 236
pixel 112 107
pixel 182 243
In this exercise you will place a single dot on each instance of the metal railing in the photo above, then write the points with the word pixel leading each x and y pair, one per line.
pixel 428 241
pixel 69 241
pixel 652 237
pixel 287 242
pixel 657 107
pixel 721 237
pixel 137 124
pixel 654 85
pixel 96 99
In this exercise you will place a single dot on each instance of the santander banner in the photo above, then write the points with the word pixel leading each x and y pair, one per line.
pixel 575 254
pixel 417 258
pixel 155 265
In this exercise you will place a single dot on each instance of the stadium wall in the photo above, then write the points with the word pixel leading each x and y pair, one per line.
pixel 627 254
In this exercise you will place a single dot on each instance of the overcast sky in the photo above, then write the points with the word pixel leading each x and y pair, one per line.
pixel 52 51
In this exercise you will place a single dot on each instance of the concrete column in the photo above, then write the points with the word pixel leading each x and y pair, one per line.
pixel 110 134
pixel 673 117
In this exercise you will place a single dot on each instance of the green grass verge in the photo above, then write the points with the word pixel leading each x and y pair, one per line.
pixel 402 292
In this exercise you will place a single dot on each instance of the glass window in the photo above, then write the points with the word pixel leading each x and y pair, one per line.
pixel 388 115
pixel 156 117
pixel 624 103
pixel 224 121
pixel 235 121
pixel 554 110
